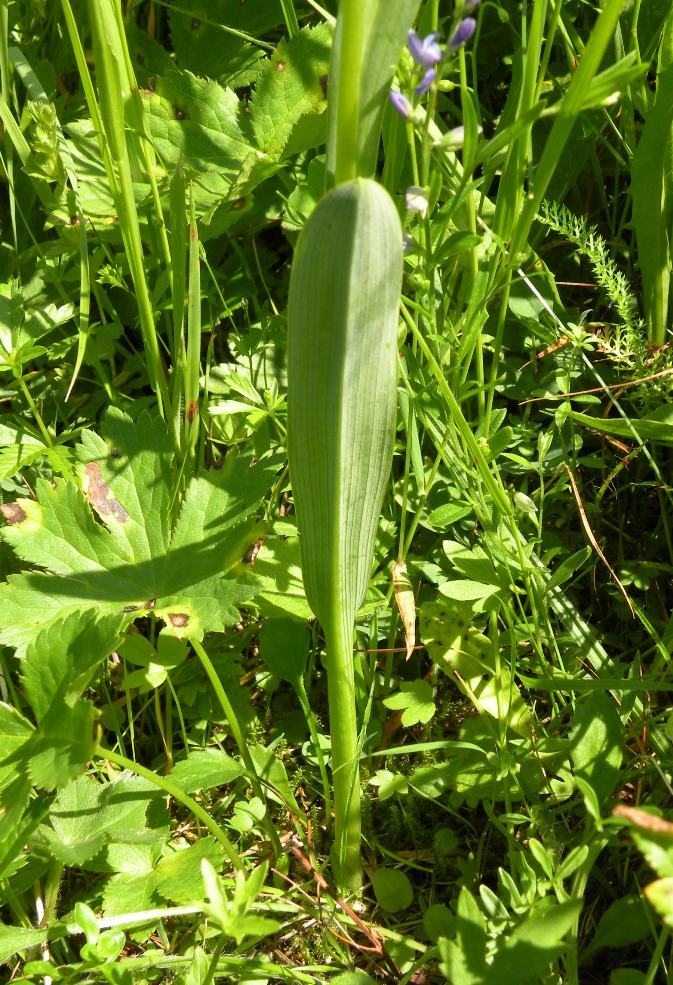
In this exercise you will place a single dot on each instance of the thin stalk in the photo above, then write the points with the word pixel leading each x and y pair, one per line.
pixel 36 414
pixel 290 15
pixel 239 739
pixel 174 790
pixel 313 732
pixel 352 14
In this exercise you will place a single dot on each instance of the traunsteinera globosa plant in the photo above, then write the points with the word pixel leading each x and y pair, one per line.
pixel 342 364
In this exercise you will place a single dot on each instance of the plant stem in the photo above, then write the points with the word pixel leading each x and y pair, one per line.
pixel 239 738
pixel 174 790
pixel 352 15
pixel 347 861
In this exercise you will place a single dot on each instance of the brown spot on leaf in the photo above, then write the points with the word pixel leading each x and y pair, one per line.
pixel 100 495
pixel 192 410
pixel 178 619
pixel 150 604
pixel 238 205
pixel 13 513
pixel 281 66
pixel 196 24
pixel 323 80
pixel 180 113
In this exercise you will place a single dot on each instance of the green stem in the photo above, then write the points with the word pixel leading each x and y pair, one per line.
pixel 290 15
pixel 36 414
pixel 347 862
pixel 352 14
pixel 177 794
pixel 239 738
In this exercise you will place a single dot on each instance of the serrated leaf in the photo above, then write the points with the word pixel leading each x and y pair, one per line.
pixel 131 563
pixel 289 102
pixel 129 894
pixel 16 733
pixel 200 37
pixel 200 122
pixel 60 663
pixel 178 874
pixel 278 568
pixel 417 699
pixel 205 769
pixel 86 815
pixel 64 745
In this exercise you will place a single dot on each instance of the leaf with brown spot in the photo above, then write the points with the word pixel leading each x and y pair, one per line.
pixel 13 513
pixel 136 561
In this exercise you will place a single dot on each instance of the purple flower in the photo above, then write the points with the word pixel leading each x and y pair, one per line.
pixel 463 33
pixel 401 104
pixel 425 82
pixel 425 52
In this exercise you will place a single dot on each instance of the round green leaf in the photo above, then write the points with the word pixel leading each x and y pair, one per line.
pixel 439 921
pixel 392 889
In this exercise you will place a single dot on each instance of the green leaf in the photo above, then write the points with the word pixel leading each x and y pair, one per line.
pixel 13 939
pixel 389 783
pixel 655 426
pixel 281 592
pixel 199 121
pixel 202 37
pixel 15 732
pixel 450 513
pixel 272 771
pixel 130 893
pixel 284 648
pixel 660 895
pixel 392 889
pixel 59 665
pixel 468 659
pixel 526 953
pixel 625 922
pixel 353 978
pixel 416 698
pixel 132 563
pixel 596 743
pixel 178 875
pixel 204 769
pixel 439 921
pixel 467 591
pixel 231 911
pixel 288 105
pixel 464 959
pixel 87 815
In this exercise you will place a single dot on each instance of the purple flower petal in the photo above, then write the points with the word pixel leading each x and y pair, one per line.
pixel 401 104
pixel 426 51
pixel 463 33
pixel 471 4
pixel 425 82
